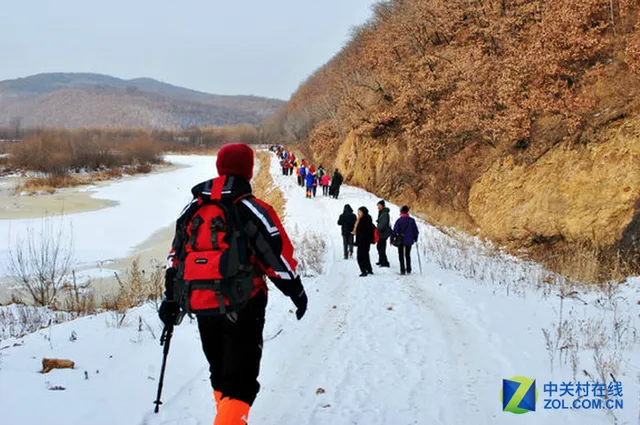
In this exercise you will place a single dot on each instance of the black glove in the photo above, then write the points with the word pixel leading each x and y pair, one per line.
pixel 300 300
pixel 169 312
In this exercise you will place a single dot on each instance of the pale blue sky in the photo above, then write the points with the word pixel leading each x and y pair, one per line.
pixel 265 48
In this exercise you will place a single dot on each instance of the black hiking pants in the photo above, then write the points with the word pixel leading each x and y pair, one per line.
pixel 347 245
pixel 364 261
pixel 382 252
pixel 404 254
pixel 234 350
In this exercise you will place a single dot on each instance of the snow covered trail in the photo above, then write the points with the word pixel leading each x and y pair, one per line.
pixel 386 349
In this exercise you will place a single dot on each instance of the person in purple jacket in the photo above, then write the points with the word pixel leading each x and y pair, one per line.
pixel 404 235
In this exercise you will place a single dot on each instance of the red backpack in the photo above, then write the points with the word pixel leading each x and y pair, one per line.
pixel 215 265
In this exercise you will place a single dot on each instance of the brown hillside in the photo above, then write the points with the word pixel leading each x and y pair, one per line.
pixel 93 100
pixel 518 118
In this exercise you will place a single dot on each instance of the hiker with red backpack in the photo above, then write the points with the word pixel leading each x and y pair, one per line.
pixel 226 242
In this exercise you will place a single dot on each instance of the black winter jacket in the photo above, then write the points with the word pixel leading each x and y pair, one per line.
pixel 364 231
pixel 347 220
pixel 384 223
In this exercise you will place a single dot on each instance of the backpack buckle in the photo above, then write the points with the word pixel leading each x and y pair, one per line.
pixel 232 316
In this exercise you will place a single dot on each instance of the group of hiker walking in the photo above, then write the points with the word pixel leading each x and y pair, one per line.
pixel 308 176
pixel 360 231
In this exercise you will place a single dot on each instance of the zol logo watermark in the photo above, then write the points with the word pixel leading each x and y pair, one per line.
pixel 519 395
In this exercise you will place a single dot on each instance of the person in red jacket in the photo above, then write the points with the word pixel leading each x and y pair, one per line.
pixel 289 166
pixel 232 343
pixel 325 184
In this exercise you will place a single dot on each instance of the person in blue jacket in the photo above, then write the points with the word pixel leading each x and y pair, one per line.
pixel 404 235
pixel 309 179
pixel 302 172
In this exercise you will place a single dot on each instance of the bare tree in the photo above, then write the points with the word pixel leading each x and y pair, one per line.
pixel 40 261
pixel 16 123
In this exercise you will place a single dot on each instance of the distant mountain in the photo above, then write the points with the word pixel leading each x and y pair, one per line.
pixel 93 100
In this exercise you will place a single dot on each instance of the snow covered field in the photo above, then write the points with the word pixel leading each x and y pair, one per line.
pixel 145 204
pixel 386 349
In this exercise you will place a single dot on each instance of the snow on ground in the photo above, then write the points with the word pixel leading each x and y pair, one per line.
pixel 145 205
pixel 387 349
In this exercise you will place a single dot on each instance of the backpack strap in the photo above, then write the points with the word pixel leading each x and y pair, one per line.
pixel 217 287
pixel 197 222
pixel 239 232
pixel 217 225
pixel 215 188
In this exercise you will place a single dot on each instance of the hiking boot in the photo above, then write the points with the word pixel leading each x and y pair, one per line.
pixel 363 274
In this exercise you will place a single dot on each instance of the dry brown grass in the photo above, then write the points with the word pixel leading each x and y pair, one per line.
pixel 49 184
pixel 138 286
pixel 587 263
pixel 78 298
pixel 264 186
pixel 143 169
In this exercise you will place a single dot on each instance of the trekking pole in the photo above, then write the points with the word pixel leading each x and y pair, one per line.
pixel 419 259
pixel 165 340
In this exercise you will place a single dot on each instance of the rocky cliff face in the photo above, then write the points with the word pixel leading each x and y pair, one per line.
pixel 574 193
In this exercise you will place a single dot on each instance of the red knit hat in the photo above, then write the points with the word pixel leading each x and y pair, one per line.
pixel 235 159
